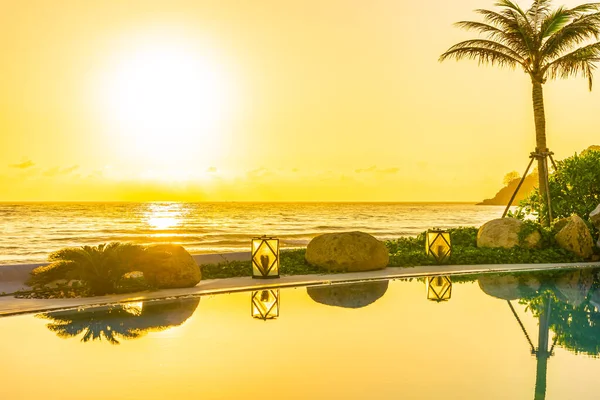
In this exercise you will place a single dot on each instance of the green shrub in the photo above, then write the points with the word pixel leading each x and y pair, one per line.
pixel 100 267
pixel 59 269
pixel 409 252
pixel 574 188
pixel 292 262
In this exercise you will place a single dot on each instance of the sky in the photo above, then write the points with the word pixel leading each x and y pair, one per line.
pixel 311 100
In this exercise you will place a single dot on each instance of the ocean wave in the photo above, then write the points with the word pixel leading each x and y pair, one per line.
pixel 30 231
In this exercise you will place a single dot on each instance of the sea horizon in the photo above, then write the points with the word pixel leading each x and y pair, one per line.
pixel 29 231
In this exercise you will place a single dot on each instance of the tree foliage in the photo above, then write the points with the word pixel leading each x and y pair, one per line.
pixel 545 42
pixel 574 188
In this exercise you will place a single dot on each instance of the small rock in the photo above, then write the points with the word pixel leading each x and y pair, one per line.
pixel 575 236
pixel 133 275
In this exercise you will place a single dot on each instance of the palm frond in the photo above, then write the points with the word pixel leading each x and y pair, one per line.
pixel 578 31
pixel 489 45
pixel 514 7
pixel 522 26
pixel 539 10
pixel 554 21
pixel 585 8
pixel 47 273
pixel 578 62
pixel 75 254
pixel 484 56
pixel 509 39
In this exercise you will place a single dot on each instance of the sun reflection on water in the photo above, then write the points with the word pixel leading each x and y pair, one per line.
pixel 164 216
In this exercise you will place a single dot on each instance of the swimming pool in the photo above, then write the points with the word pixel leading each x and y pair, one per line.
pixel 519 336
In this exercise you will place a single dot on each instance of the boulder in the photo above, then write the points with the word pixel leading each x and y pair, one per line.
pixel 575 236
pixel 347 251
pixel 169 266
pixel 508 287
pixel 573 286
pixel 504 232
pixel 355 295
pixel 595 217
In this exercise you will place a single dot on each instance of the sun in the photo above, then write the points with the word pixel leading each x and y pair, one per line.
pixel 166 103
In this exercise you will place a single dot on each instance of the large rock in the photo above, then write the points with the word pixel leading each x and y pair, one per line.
pixel 508 287
pixel 347 251
pixel 169 266
pixel 504 232
pixel 595 217
pixel 575 236
pixel 355 295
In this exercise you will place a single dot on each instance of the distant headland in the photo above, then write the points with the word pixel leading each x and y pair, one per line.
pixel 511 181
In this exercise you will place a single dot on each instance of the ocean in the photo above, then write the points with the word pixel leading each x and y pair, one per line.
pixel 30 231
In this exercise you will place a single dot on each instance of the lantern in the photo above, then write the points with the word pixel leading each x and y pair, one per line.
pixel 265 257
pixel 439 288
pixel 265 304
pixel 438 245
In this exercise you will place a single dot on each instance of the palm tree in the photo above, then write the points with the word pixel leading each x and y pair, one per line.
pixel 546 43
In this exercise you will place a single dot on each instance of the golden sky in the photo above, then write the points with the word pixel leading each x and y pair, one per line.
pixel 337 100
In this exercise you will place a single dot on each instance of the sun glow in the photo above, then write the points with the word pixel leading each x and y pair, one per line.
pixel 166 103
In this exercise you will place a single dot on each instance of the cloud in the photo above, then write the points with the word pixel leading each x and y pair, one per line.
pixel 56 171
pixel 23 165
pixel 259 173
pixel 379 171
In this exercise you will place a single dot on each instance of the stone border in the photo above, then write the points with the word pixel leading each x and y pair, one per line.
pixel 12 306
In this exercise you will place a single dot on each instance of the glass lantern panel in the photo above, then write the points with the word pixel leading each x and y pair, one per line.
pixel 265 257
pixel 438 245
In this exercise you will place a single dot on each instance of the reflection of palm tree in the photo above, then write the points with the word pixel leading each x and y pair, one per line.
pixel 121 321
pixel 562 304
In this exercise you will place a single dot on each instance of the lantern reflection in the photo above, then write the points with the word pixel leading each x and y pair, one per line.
pixel 265 304
pixel 439 288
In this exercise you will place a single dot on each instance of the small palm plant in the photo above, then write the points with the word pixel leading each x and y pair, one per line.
pixel 100 267
pixel 545 42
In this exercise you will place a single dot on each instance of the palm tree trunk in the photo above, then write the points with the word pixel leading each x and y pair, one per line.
pixel 542 352
pixel 540 142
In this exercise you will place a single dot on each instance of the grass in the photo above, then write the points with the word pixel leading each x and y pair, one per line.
pixel 410 252
pixel 291 263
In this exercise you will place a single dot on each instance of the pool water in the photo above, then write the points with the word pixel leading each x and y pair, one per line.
pixel 525 336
